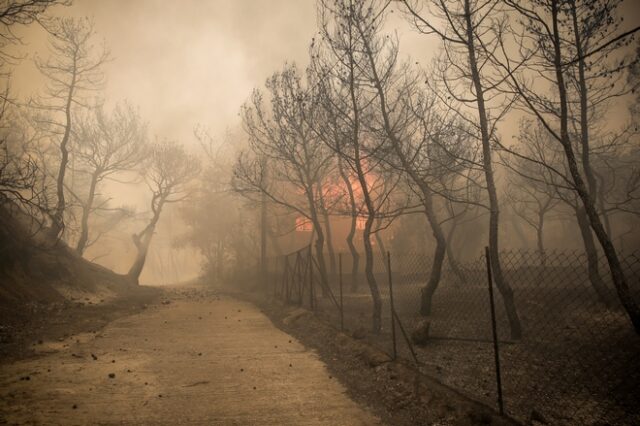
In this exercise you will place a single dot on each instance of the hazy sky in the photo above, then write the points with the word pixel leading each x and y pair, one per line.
pixel 190 61
pixel 194 62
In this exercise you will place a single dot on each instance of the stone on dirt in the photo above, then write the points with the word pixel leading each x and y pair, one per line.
pixel 373 357
pixel 420 334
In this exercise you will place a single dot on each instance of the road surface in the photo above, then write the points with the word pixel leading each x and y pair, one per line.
pixel 200 359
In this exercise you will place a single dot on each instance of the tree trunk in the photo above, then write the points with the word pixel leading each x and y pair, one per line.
pixel 453 262
pixel 438 257
pixel 617 275
pixel 86 211
pixel 143 240
pixel 332 253
pixel 376 319
pixel 57 219
pixel 376 315
pixel 319 246
pixel 142 245
pixel 355 256
pixel 494 213
pixel 592 257
pixel 381 247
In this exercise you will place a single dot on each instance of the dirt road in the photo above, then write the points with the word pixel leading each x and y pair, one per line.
pixel 200 359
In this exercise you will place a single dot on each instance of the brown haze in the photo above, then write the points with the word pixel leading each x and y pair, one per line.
pixel 193 63
pixel 371 236
pixel 188 63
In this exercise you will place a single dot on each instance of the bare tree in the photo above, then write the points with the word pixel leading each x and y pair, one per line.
pixel 105 144
pixel 20 173
pixel 299 164
pixel 337 66
pixel 466 31
pixel 19 12
pixel 567 43
pixel 531 200
pixel 169 172
pixel 73 71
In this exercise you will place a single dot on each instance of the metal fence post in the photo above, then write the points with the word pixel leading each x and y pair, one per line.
pixel 311 300
pixel 496 348
pixel 341 301
pixel 393 319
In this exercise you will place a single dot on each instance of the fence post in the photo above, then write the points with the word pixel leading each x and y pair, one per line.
pixel 393 311
pixel 311 304
pixel 341 301
pixel 496 348
pixel 301 280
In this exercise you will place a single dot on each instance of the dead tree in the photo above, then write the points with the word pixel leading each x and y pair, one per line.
pixel 353 212
pixel 73 70
pixel 280 135
pixel 575 43
pixel 20 12
pixel 337 63
pixel 531 200
pixel 105 144
pixel 169 172
pixel 466 78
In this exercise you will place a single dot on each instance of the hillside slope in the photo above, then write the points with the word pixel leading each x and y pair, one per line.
pixel 40 282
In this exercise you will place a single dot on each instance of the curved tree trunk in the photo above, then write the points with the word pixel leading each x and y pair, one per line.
pixel 376 315
pixel 142 246
pixel 376 319
pixel 619 280
pixel 592 257
pixel 57 218
pixel 381 247
pixel 453 262
pixel 142 241
pixel 494 211
pixel 438 257
pixel 86 211
pixel 355 256
pixel 319 246
pixel 330 249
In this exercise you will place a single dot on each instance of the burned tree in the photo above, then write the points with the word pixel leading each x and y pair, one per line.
pixel 337 66
pixel 169 171
pixel 578 51
pixel 105 144
pixel 73 70
pixel 280 136
pixel 466 76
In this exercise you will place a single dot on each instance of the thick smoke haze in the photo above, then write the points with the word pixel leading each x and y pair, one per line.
pixel 336 212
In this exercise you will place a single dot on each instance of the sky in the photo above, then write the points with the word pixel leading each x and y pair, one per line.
pixel 188 62
pixel 194 62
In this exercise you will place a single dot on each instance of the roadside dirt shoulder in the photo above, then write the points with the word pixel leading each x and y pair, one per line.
pixel 399 395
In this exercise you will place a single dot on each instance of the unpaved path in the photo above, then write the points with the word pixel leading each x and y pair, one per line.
pixel 201 359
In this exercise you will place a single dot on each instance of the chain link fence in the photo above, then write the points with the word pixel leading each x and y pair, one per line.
pixel 576 363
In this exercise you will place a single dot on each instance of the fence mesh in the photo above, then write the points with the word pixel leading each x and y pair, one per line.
pixel 577 361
